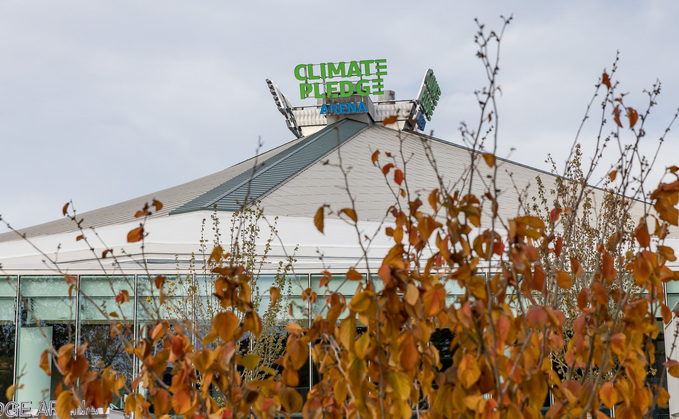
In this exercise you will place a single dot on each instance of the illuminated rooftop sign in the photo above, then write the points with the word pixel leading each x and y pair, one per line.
pixel 364 77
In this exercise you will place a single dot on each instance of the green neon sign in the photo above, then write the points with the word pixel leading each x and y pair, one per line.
pixel 364 77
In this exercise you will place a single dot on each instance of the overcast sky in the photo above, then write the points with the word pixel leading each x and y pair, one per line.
pixel 102 101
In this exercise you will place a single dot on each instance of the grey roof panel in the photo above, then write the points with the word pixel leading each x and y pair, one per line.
pixel 253 184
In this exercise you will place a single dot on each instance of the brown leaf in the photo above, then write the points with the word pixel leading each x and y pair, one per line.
pixel 633 117
pixel 158 205
pixel 612 175
pixel 319 219
pixel 64 210
pixel 159 281
pixel 136 234
pixel 489 158
pixel 105 253
pixel 80 237
pixel 350 213
pixel 375 156
pixel 389 120
pixel 606 80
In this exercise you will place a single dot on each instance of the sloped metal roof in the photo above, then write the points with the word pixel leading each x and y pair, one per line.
pixel 253 184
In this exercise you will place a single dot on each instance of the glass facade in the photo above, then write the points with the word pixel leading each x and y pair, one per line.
pixel 36 311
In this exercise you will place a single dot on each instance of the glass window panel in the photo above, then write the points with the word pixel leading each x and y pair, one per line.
pixel 336 284
pixel 8 295
pixel 672 287
pixel 105 350
pixel 47 316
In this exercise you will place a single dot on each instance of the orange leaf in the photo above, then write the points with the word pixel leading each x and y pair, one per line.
pixel 291 400
pixel 105 253
pixel 45 362
pixel 612 175
pixel 9 393
pixel 563 279
pixel 353 275
pixel 161 402
pixel 350 213
pixel 576 268
pixel 412 294
pixel 389 120
pixel 538 316
pixel 123 297
pixel 558 246
pixel 375 156
pixel 64 210
pixel 672 367
pixel 618 344
pixel 319 219
pixel 468 371
pixel 158 205
pixel 489 158
pixel 159 281
pixel 554 214
pixel 386 168
pixel 275 294
pixel 642 235
pixel 583 298
pixel 608 395
pixel 606 80
pixel 142 213
pixel 294 328
pixel 65 404
pixel 181 401
pixel 633 117
pixel 136 234
pixel 225 324
pixel 80 237
pixel 666 313
pixel 616 115
pixel 398 177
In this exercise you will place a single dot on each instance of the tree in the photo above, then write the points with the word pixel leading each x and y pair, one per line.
pixel 543 309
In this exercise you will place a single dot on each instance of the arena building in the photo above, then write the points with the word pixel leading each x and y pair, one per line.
pixel 289 183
